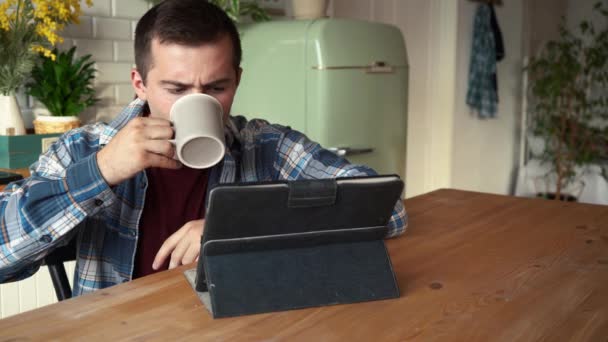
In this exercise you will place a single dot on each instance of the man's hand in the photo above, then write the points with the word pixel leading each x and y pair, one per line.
pixel 142 143
pixel 183 246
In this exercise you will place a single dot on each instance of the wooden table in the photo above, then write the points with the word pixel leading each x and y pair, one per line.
pixel 472 267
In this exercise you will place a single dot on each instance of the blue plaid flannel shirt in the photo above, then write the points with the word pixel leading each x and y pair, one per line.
pixel 481 94
pixel 66 191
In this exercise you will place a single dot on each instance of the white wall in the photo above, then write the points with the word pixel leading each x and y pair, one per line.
pixel 486 151
pixel 579 10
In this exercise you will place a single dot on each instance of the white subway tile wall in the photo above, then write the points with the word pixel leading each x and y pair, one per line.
pixel 128 9
pixel 116 73
pixel 124 51
pixel 100 8
pixel 124 94
pixel 84 29
pixel 107 28
pixel 106 32
pixel 102 50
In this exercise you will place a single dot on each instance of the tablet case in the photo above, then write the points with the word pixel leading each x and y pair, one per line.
pixel 287 245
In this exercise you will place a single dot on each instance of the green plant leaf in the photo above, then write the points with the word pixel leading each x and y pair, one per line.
pixel 64 85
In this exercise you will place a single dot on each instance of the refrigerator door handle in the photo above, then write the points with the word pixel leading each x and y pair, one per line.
pixel 375 67
pixel 349 151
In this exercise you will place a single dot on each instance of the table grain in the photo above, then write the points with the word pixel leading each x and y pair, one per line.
pixel 471 267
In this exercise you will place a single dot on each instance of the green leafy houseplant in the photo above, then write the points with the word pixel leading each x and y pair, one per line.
pixel 64 86
pixel 568 96
pixel 236 9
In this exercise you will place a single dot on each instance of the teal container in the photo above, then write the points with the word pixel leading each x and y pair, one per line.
pixel 20 151
pixel 341 82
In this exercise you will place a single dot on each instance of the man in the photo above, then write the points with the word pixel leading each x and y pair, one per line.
pixel 133 208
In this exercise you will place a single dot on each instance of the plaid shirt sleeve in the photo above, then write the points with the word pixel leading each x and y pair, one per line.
pixel 297 157
pixel 36 213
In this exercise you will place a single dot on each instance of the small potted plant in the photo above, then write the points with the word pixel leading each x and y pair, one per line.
pixel 65 87
pixel 568 96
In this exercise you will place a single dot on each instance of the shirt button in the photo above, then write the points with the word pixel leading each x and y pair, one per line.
pixel 46 238
pixel 98 202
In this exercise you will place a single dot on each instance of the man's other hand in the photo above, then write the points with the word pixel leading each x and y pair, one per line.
pixel 183 246
pixel 142 143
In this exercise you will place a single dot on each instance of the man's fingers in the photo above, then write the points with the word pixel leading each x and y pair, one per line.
pixel 162 147
pixel 158 132
pixel 166 249
pixel 183 246
pixel 157 160
pixel 149 121
pixel 184 253
pixel 178 253
pixel 162 254
pixel 191 254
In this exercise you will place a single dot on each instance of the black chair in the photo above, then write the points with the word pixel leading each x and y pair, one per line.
pixel 54 261
pixel 7 177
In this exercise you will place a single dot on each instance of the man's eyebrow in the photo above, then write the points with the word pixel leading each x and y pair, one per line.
pixel 217 82
pixel 175 83
pixel 188 85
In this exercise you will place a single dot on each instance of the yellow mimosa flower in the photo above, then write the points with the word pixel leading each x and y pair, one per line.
pixel 32 27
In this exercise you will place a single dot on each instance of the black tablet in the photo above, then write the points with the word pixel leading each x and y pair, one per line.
pixel 294 244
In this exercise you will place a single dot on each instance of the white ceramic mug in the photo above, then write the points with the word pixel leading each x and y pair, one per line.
pixel 199 130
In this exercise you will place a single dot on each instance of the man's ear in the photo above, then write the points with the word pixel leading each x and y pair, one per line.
pixel 138 84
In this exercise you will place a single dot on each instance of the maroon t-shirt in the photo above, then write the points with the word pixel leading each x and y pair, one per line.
pixel 173 198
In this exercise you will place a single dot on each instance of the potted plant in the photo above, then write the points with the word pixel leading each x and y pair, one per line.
pixel 65 87
pixel 236 9
pixel 568 96
pixel 27 28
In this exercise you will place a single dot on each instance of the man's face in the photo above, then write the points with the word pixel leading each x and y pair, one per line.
pixel 177 70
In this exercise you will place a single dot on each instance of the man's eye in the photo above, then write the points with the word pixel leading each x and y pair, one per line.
pixel 217 89
pixel 176 90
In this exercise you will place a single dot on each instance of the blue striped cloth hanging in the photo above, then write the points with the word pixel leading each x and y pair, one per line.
pixel 482 95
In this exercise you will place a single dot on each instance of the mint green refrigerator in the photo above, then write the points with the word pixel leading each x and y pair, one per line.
pixel 341 82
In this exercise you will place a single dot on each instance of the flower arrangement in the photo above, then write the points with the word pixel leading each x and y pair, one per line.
pixel 29 28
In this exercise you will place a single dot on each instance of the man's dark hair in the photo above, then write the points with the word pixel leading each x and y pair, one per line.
pixel 185 22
